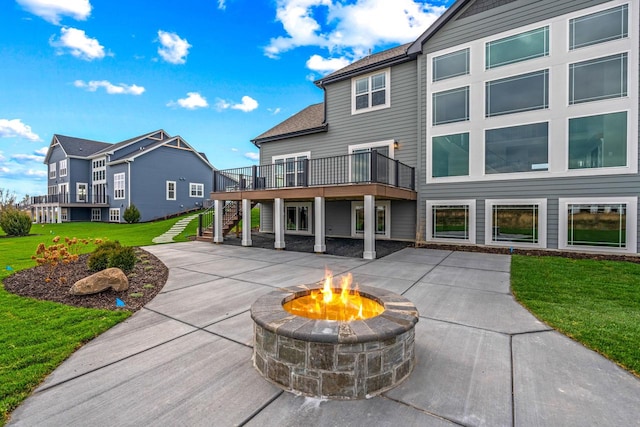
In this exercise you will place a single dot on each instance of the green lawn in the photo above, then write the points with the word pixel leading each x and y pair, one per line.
pixel 594 302
pixel 36 336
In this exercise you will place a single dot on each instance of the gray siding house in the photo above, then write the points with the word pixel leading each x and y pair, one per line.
pixel 96 181
pixel 517 119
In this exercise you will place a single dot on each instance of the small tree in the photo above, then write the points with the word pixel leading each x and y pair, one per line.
pixel 15 223
pixel 131 214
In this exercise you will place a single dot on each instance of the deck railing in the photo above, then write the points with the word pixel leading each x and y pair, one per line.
pixel 69 198
pixel 359 168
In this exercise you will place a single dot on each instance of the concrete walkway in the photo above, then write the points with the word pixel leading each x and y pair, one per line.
pixel 185 359
pixel 176 229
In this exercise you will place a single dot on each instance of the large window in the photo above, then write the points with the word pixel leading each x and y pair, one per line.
pixel 517 149
pixel 370 92
pixel 52 170
pixel 81 192
pixel 196 190
pixel 450 156
pixel 608 223
pixel 599 27
pixel 520 47
pixel 451 65
pixel 452 220
pixel 515 94
pixel 516 222
pixel 118 186
pixel 171 190
pixel 298 217
pixel 382 219
pixel 450 106
pixel 63 167
pixel 597 79
pixel 291 170
pixel 598 141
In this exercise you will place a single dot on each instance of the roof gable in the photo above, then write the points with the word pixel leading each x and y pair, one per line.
pixel 75 147
pixel 175 142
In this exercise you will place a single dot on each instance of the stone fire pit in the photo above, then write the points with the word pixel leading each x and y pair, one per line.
pixel 334 359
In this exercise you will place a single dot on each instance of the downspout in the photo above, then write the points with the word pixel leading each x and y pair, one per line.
pixel 419 160
pixel 129 183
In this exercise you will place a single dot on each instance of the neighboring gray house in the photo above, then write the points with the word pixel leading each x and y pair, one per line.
pixel 96 181
pixel 516 119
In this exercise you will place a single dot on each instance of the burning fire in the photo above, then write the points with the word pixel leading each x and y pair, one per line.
pixel 330 303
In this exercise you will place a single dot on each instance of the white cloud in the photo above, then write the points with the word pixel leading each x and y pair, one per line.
pixel 2 157
pixel 27 158
pixel 222 4
pixel 110 88
pixel 78 44
pixel 324 65
pixel 42 151
pixel 252 156
pixel 173 49
pixel 233 149
pixel 16 129
pixel 349 28
pixel 36 173
pixel 247 104
pixel 274 111
pixel 191 102
pixel 53 10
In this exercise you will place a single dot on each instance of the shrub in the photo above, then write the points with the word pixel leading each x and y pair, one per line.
pixel 123 258
pixel 131 214
pixel 112 254
pixel 99 258
pixel 15 223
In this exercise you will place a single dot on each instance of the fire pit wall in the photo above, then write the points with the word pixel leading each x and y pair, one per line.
pixel 334 359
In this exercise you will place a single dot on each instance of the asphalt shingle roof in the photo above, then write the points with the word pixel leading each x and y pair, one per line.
pixel 311 118
pixel 80 147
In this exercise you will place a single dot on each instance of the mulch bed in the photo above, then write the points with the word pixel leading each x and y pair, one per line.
pixel 145 281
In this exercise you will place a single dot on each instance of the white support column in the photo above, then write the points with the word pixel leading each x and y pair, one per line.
pixel 218 213
pixel 319 219
pixel 59 216
pixel 246 222
pixel 369 227
pixel 278 223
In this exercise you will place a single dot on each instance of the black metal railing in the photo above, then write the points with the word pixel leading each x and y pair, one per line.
pixel 205 220
pixel 358 168
pixel 71 197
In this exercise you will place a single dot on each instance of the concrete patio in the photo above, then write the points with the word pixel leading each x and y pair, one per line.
pixel 185 359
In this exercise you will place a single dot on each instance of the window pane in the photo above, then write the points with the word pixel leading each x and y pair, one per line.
pixel 291 218
pixel 378 98
pixel 362 101
pixel 511 223
pixel 517 149
pixel 599 27
pixel 597 225
pixel 598 141
pixel 596 79
pixel 378 82
pixel 451 106
pixel 519 93
pixel 451 65
pixel 362 86
pixel 521 47
pixel 381 215
pixel 303 218
pixel 450 222
pixel 450 155
pixel 359 219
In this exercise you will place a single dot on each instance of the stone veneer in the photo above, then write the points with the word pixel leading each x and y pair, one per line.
pixel 334 359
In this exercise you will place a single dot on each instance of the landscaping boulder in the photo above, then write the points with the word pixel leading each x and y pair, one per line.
pixel 109 278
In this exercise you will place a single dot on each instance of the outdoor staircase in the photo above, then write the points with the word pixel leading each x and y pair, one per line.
pixel 232 215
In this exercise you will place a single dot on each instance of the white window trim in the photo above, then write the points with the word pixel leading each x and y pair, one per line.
pixel 94 217
pixel 309 206
pixel 632 223
pixel 52 170
pixel 472 220
pixel 197 186
pixel 112 211
pixel 542 222
pixel 387 100
pixel 86 192
pixel 390 143
pixel 64 214
pixel 175 190
pixel 559 111
pixel 284 157
pixel 387 220
pixel 63 167
pixel 116 188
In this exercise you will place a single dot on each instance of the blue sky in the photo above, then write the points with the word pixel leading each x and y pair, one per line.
pixel 216 72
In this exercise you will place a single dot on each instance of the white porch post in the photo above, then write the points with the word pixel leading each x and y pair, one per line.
pixel 218 213
pixel 319 220
pixel 246 222
pixel 59 216
pixel 278 223
pixel 369 227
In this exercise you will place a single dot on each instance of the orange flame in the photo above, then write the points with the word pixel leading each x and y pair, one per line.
pixel 328 303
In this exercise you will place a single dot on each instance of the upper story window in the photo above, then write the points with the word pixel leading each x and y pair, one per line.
pixel 451 65
pixel 118 186
pixel 517 48
pixel 450 155
pixel 599 27
pixel 99 170
pixel 370 92
pixel 596 79
pixel 63 167
pixel 450 106
pixel 52 170
pixel 196 190
pixel 515 94
pixel 171 190
pixel 598 141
